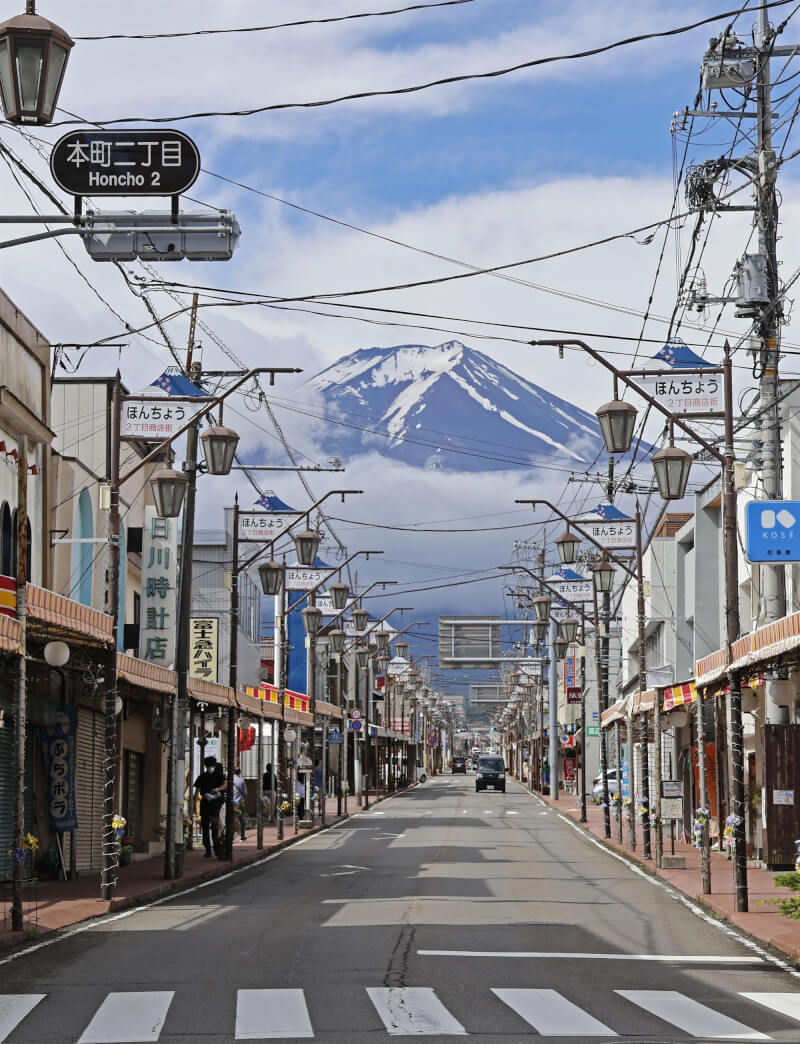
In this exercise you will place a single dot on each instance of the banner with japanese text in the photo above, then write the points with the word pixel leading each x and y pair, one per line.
pixel 159 583
pixel 203 647
pixel 58 759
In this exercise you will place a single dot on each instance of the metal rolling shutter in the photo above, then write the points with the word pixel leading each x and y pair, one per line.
pixel 89 790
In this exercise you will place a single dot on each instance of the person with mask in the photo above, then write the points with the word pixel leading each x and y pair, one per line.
pixel 209 787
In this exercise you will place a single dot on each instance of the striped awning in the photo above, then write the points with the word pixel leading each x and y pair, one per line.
pixel 146 675
pixel 211 692
pixel 615 713
pixel 67 617
pixel 643 702
pixel 10 639
pixel 679 695
pixel 293 700
pixel 8 596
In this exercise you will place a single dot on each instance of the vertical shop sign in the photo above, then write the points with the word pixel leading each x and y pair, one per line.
pixel 58 759
pixel 203 644
pixel 159 582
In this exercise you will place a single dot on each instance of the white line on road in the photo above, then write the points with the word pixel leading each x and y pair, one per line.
pixel 271 1014
pixel 537 954
pixel 690 1016
pixel 128 1018
pixel 14 1008
pixel 786 1003
pixel 551 1014
pixel 411 1011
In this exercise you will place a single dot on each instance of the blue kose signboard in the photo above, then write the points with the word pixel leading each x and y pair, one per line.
pixel 773 531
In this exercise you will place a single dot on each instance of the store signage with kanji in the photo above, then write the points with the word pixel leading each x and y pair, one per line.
pixel 125 163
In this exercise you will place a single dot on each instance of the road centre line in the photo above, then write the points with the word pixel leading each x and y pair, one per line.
pixel 653 957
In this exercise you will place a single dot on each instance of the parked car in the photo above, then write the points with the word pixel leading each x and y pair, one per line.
pixel 460 764
pixel 597 783
pixel 491 773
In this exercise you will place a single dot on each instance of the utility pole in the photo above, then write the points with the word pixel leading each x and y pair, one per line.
pixel 21 701
pixel 605 654
pixel 773 585
pixel 233 681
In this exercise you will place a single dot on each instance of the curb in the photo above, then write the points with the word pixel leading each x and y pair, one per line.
pixel 702 900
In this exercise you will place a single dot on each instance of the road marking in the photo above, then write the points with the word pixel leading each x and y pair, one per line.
pixel 269 1014
pixel 13 1009
pixel 128 1018
pixel 511 813
pixel 690 1016
pixel 551 1014
pixel 786 1003
pixel 536 954
pixel 408 1011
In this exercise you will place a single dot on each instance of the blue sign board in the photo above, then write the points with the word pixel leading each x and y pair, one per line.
pixel 334 736
pixel 58 759
pixel 773 531
pixel 355 724
pixel 626 780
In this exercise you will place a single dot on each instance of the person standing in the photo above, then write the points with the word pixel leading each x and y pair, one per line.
pixel 240 802
pixel 209 787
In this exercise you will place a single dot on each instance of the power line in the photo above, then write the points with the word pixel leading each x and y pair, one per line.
pixel 416 88
pixel 279 25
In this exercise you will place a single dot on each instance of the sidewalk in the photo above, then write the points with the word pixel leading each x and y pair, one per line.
pixel 764 923
pixel 64 903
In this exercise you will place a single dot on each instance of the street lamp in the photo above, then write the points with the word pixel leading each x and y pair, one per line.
pixel 401 648
pixel 307 544
pixel 603 577
pixel 560 647
pixel 337 638
pixel 271 575
pixel 568 629
pixel 539 628
pixel 672 467
pixel 169 488
pixel 382 639
pixel 33 58
pixel 362 657
pixel 219 449
pixel 617 420
pixel 339 592
pixel 360 617
pixel 541 606
pixel 311 618
pixel 568 545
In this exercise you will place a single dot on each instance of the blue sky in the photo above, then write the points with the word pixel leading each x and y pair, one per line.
pixel 486 172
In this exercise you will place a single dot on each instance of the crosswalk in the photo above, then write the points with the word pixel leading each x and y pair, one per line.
pixel 135 1017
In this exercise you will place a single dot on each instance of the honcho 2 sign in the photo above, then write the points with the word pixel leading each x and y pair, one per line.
pixel 125 163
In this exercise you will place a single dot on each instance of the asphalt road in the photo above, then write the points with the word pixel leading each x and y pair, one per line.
pixel 441 912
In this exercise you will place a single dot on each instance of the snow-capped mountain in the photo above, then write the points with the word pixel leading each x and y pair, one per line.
pixel 451 407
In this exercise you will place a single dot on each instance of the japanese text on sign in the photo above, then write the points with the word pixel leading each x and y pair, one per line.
pixel 620 533
pixel 264 525
pixel 145 419
pixel 686 393
pixel 203 645
pixel 58 759
pixel 159 581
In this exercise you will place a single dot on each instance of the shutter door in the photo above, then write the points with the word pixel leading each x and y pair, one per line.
pixel 89 790
pixel 7 781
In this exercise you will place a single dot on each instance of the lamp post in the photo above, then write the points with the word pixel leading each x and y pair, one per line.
pixel 726 459
pixel 33 59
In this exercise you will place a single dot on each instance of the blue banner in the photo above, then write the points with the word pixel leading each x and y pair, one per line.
pixel 58 759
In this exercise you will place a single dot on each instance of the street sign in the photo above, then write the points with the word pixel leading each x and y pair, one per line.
pixel 334 736
pixel 356 724
pixel 355 714
pixel 300 578
pixel 592 730
pixel 773 531
pixel 156 419
pixel 685 392
pixel 264 525
pixel 672 788
pixel 612 533
pixel 125 162
pixel 672 808
pixel 574 694
pixel 579 590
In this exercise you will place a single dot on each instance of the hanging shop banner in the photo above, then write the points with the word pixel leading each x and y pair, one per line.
pixel 159 582
pixel 578 590
pixel 574 694
pixel 619 532
pixel 8 596
pixel 58 759
pixel 685 393
pixel 265 525
pixel 203 647
pixel 302 578
pixel 155 420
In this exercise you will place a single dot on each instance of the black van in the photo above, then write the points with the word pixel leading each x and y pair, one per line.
pixel 491 773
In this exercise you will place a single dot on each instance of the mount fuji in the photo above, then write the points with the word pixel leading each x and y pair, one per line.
pixel 449 407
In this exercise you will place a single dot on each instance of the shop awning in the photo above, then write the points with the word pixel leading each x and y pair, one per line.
pixel 764 644
pixel 10 640
pixel 644 702
pixel 67 618
pixel 328 710
pixel 615 713
pixel 146 675
pixel 211 692
pixel 680 695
